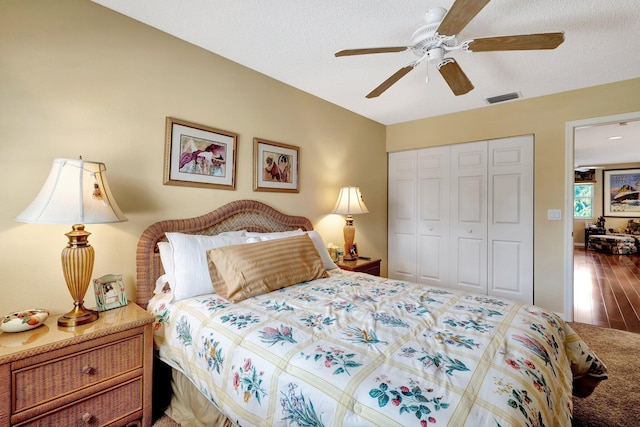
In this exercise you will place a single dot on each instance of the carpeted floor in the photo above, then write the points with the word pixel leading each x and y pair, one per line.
pixel 616 401
pixel 165 421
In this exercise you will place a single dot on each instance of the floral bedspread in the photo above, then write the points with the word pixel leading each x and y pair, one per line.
pixel 358 350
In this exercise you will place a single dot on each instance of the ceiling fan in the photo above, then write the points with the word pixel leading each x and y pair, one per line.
pixel 434 40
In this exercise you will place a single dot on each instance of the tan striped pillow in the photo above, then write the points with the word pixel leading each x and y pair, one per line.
pixel 239 272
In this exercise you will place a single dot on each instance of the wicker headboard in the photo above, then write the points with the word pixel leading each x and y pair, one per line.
pixel 248 215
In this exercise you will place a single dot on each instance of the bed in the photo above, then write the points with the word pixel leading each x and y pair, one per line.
pixel 345 349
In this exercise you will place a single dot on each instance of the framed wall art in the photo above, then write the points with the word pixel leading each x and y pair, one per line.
pixel 110 292
pixel 199 156
pixel 622 193
pixel 276 166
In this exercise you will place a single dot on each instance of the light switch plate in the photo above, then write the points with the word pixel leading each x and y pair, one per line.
pixel 554 214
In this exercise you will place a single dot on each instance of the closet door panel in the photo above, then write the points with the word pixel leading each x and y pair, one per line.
pixel 431 268
pixel 468 227
pixel 402 205
pixel 433 216
pixel 505 279
pixel 510 225
pixel 471 273
pixel 470 193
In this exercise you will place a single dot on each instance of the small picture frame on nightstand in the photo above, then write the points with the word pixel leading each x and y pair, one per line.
pixel 353 252
pixel 110 292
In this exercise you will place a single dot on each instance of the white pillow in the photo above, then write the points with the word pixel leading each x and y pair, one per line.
pixel 321 247
pixel 166 258
pixel 236 233
pixel 190 269
pixel 315 238
pixel 274 235
pixel 161 285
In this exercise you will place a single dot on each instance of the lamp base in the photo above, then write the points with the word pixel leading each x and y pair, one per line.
pixel 78 316
pixel 349 232
pixel 77 265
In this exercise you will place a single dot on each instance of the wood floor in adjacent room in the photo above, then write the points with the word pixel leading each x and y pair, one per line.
pixel 607 289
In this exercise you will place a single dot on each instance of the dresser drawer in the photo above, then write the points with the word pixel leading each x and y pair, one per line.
pixel 36 384
pixel 121 402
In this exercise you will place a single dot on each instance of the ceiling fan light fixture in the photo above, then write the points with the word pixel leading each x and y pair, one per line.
pixel 435 15
pixel 435 54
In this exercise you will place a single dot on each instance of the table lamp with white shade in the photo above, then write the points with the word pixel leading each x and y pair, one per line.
pixel 77 193
pixel 350 203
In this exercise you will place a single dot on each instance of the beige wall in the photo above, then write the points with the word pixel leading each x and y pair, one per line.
pixel 79 79
pixel 545 117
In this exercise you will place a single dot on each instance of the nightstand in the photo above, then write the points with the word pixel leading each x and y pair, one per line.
pixel 369 266
pixel 95 374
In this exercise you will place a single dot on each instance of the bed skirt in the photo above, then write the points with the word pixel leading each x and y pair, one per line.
pixel 190 408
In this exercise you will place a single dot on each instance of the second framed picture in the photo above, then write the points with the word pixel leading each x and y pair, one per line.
pixel 276 166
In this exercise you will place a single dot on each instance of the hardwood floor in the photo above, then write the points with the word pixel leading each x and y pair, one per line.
pixel 607 289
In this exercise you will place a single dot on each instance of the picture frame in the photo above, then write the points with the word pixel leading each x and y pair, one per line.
pixel 353 251
pixel 588 175
pixel 196 155
pixel 276 166
pixel 110 292
pixel 621 193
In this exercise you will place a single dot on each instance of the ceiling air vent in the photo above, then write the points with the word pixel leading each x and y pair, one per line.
pixel 505 97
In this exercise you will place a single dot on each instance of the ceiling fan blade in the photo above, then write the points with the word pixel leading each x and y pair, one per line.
pixel 455 77
pixel 521 42
pixel 391 80
pixel 460 14
pixel 365 51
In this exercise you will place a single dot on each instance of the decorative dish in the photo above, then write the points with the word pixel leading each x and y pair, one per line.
pixel 19 321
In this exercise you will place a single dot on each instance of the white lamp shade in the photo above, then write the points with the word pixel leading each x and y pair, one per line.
pixel 350 202
pixel 76 192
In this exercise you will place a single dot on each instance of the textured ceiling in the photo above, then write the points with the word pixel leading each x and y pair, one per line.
pixel 607 144
pixel 294 41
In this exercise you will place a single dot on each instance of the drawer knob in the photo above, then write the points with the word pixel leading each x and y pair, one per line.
pixel 87 417
pixel 88 370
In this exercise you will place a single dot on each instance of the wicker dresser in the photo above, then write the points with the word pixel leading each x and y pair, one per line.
pixel 95 374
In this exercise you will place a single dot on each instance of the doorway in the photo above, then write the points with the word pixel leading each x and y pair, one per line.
pixel 570 138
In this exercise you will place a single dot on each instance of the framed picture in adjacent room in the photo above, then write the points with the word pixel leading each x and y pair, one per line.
pixel 199 156
pixel 621 193
pixel 276 166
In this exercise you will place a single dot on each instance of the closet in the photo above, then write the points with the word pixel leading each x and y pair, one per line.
pixel 461 216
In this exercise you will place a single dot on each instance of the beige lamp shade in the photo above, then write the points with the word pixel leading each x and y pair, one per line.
pixel 76 192
pixel 350 203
